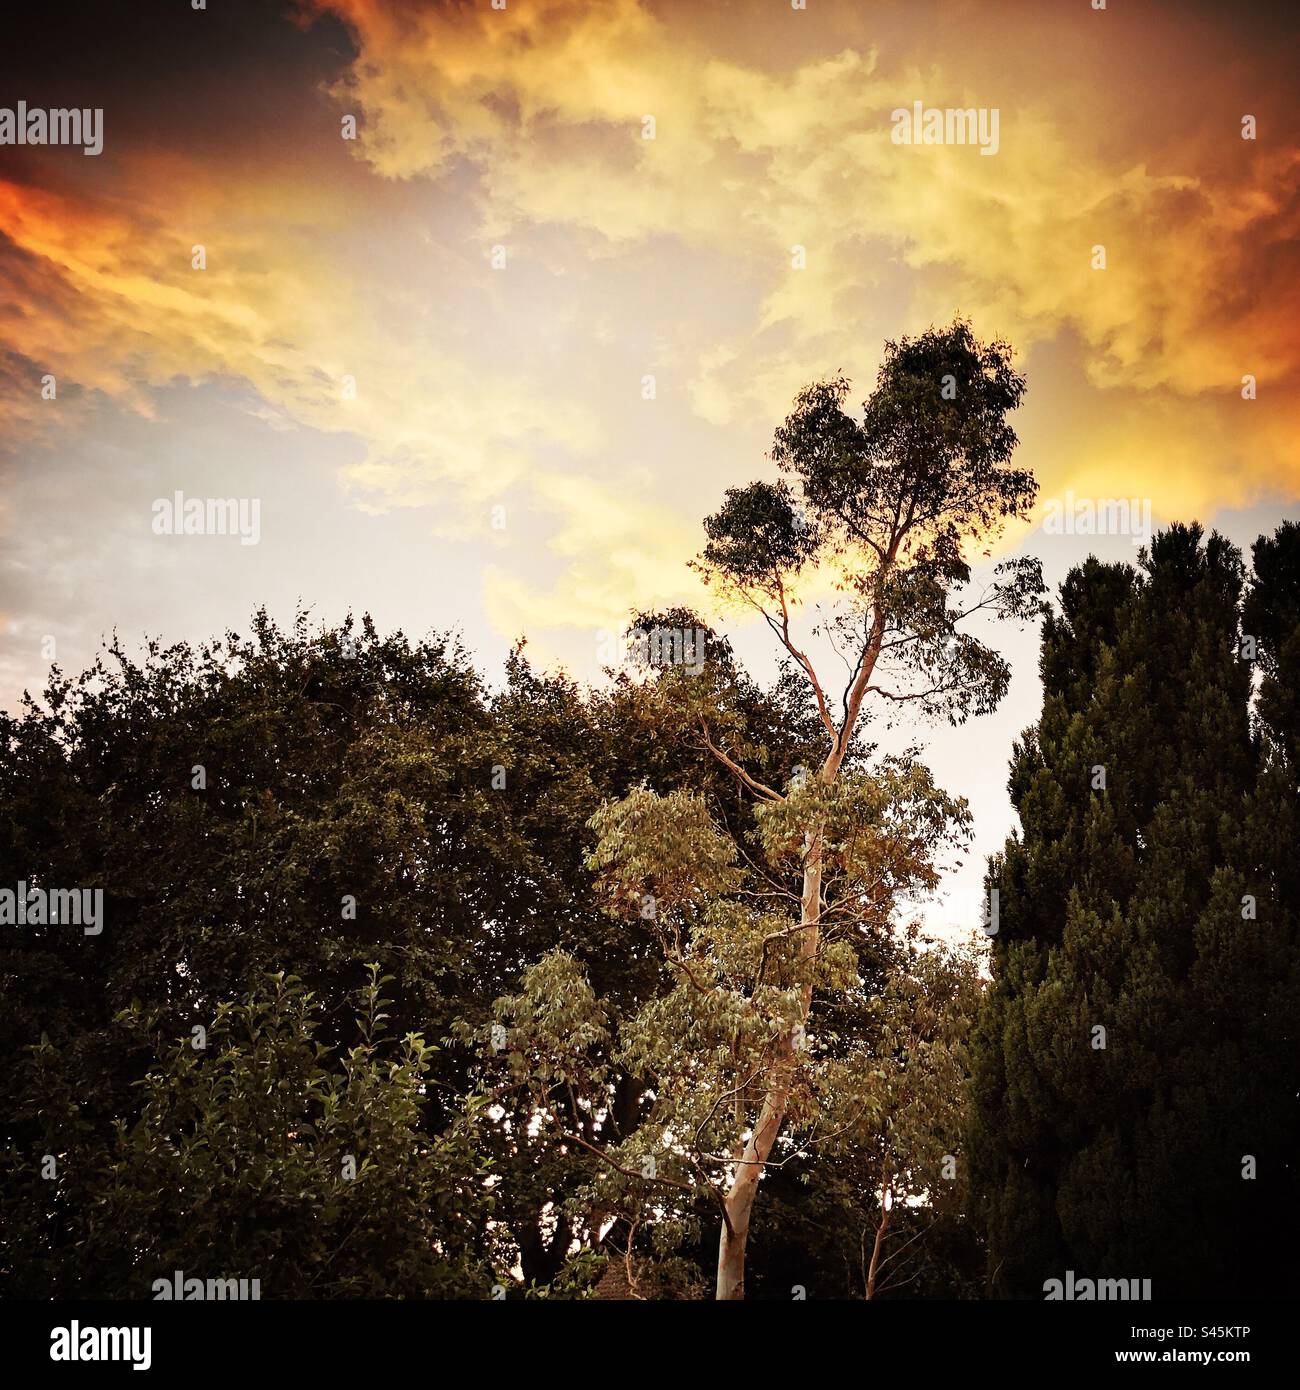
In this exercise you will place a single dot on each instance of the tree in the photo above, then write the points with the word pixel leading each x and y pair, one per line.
pixel 913 1141
pixel 893 504
pixel 309 801
pixel 890 508
pixel 290 800
pixel 568 750
pixel 256 1154
pixel 1133 1094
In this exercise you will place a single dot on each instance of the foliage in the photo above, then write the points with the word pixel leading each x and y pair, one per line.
pixel 1159 907
pixel 261 1154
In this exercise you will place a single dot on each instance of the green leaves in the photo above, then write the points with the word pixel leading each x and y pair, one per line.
pixel 660 853
pixel 878 831
pixel 759 537
pixel 639 927
pixel 933 444
pixel 1124 922
pixel 555 1029
pixel 268 1155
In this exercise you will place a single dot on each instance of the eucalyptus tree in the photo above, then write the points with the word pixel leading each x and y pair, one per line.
pixel 888 509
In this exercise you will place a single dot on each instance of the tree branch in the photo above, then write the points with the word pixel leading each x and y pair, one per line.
pixel 761 788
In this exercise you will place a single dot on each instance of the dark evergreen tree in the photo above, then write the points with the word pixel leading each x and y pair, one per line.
pixel 1135 1078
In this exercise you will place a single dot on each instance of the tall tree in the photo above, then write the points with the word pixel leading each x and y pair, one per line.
pixel 889 508
pixel 568 749
pixel 1131 1109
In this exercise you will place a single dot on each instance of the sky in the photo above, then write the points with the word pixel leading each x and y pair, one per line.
pixel 425 350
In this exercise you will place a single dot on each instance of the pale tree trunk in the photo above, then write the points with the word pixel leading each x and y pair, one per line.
pixel 740 1199
pixel 739 1203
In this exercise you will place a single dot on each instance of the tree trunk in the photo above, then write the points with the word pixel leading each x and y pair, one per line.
pixel 532 1253
pixel 749 1166
pixel 740 1200
pixel 540 1259
pixel 885 1209
pixel 749 1163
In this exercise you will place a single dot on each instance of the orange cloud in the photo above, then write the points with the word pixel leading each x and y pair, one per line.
pixel 676 258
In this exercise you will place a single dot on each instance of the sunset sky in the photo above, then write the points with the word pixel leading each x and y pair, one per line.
pixel 482 386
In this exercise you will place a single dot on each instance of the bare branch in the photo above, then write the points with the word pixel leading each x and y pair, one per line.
pixel 761 788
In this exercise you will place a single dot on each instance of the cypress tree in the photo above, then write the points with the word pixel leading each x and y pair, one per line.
pixel 1134 1095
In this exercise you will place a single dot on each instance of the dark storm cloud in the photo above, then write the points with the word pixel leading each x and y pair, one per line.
pixel 166 74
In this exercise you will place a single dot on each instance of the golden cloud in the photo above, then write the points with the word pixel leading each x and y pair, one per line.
pixel 771 187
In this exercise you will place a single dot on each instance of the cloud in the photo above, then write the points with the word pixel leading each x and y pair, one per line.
pixel 104 296
pixel 545 102
pixel 610 551
pixel 675 257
